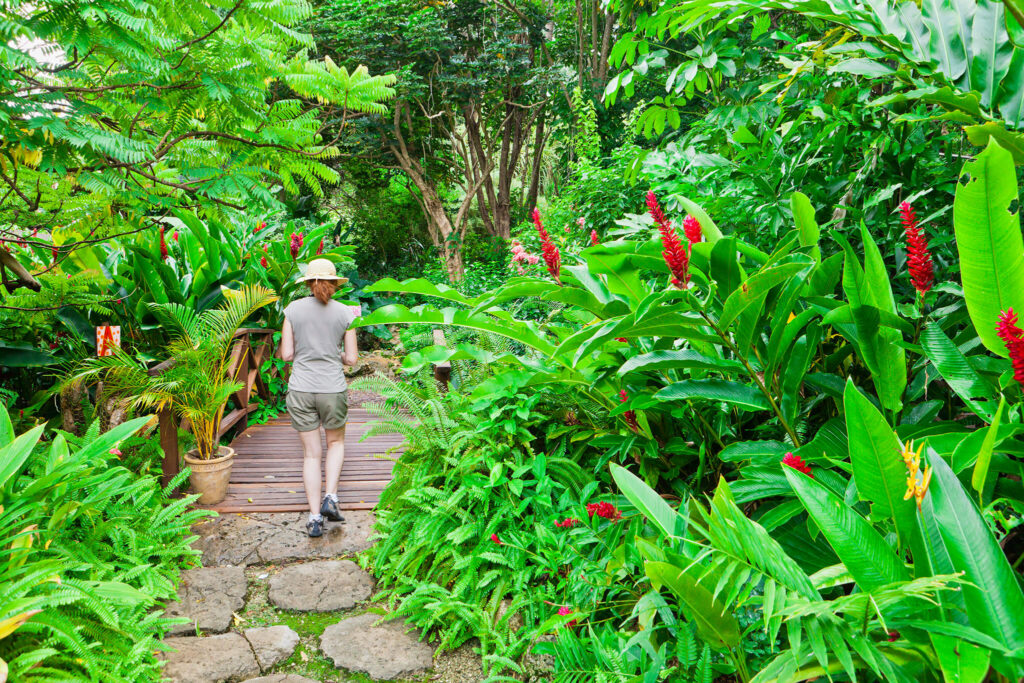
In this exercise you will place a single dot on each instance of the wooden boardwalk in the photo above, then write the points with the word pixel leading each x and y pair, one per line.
pixel 267 472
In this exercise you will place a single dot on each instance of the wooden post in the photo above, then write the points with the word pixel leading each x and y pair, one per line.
pixel 442 370
pixel 169 444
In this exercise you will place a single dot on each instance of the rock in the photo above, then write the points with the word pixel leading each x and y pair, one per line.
pixel 207 597
pixel 263 537
pixel 271 644
pixel 210 659
pixel 282 678
pixel 381 652
pixel 322 586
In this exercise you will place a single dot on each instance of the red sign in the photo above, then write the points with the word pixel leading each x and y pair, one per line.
pixel 107 338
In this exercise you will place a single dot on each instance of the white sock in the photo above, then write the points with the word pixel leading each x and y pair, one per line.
pixel 332 496
pixel 315 518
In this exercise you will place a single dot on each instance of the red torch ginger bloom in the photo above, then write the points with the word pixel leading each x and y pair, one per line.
pixel 677 258
pixel 604 510
pixel 163 244
pixel 567 523
pixel 566 611
pixel 1013 337
pixel 691 226
pixel 594 239
pixel 259 226
pixel 552 257
pixel 495 539
pixel 629 416
pixel 622 339
pixel 320 248
pixel 296 243
pixel 797 463
pixel 263 261
pixel 919 259
pixel 175 236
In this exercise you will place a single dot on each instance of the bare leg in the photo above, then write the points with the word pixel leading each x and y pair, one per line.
pixel 335 458
pixel 311 468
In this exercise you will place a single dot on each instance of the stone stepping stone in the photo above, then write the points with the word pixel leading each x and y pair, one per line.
pixel 271 644
pixel 229 656
pixel 208 597
pixel 211 659
pixel 282 678
pixel 321 586
pixel 381 652
pixel 266 537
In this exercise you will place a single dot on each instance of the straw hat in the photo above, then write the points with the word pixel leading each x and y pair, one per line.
pixel 322 269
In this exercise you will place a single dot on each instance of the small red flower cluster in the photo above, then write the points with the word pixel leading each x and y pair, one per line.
pixel 495 539
pixel 263 259
pixel 163 244
pixel 691 226
pixel 1013 337
pixel 594 239
pixel 567 523
pixel 629 416
pixel 259 226
pixel 552 258
pixel 520 257
pixel 565 611
pixel 919 259
pixel 53 253
pixel 797 463
pixel 296 243
pixel 320 248
pixel 175 236
pixel 677 258
pixel 605 510
pixel 622 339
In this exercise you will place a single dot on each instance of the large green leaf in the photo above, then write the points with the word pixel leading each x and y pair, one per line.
pixel 956 370
pixel 740 395
pixel 14 455
pixel 988 239
pixel 6 428
pixel 995 603
pixel 23 356
pixel 980 473
pixel 803 214
pixel 676 359
pixel 991 49
pixel 715 624
pixel 870 560
pixel 945 40
pixel 1011 94
pixel 878 467
pixel 757 285
pixel 648 502
pixel 961 662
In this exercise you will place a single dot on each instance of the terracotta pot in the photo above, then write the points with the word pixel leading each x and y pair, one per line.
pixel 210 477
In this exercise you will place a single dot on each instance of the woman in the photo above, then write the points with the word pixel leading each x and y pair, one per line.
pixel 317 340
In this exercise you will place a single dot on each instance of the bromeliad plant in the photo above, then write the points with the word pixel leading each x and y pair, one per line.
pixel 195 385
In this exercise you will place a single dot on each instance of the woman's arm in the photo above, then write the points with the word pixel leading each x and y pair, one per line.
pixel 287 341
pixel 351 354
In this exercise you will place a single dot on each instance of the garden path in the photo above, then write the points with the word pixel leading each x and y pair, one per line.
pixel 271 605
pixel 267 472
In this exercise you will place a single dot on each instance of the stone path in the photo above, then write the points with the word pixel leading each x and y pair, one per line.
pixel 271 605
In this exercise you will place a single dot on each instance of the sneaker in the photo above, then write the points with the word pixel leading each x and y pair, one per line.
pixel 329 509
pixel 315 528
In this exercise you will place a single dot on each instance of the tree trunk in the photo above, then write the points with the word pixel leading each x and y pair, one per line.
pixel 71 412
pixel 538 155
pixel 601 75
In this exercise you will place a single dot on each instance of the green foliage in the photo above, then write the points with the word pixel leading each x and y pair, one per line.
pixel 90 549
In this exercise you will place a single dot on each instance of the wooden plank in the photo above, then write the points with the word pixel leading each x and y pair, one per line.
pixel 170 466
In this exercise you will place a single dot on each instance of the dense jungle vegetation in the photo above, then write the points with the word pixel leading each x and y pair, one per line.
pixel 730 292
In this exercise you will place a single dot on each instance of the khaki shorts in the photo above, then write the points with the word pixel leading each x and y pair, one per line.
pixel 309 411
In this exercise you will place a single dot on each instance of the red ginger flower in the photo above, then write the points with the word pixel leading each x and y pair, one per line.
pixel 567 523
pixel 320 249
pixel 605 510
pixel 919 259
pixel 263 261
pixel 1013 337
pixel 594 239
pixel 677 258
pixel 296 243
pixel 565 611
pixel 495 539
pixel 691 226
pixel 163 244
pixel 175 236
pixel 259 226
pixel 797 463
pixel 550 252
pixel 629 416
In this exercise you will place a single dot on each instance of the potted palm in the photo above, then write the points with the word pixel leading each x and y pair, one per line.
pixel 193 383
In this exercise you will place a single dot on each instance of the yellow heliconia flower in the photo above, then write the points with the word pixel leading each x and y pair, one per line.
pixel 912 459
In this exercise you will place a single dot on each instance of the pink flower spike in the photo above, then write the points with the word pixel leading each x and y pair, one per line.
pixel 114 451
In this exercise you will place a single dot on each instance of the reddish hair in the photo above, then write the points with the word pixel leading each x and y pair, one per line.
pixel 323 290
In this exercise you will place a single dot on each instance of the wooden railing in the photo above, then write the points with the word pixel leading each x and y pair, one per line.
pixel 250 349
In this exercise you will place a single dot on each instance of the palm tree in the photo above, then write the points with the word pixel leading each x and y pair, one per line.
pixel 196 385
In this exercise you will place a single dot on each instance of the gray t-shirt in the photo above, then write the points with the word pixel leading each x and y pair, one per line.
pixel 319 338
